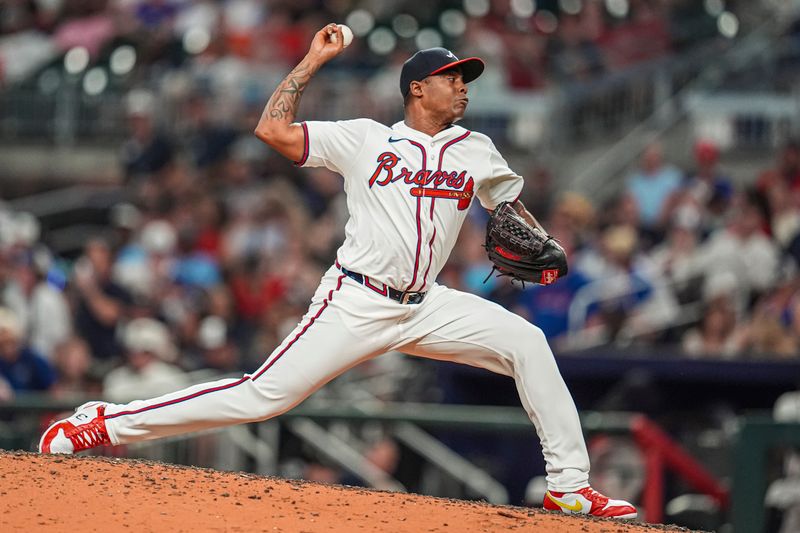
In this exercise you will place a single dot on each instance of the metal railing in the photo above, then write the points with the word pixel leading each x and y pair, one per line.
pixel 64 118
pixel 603 175
pixel 743 119
pixel 343 453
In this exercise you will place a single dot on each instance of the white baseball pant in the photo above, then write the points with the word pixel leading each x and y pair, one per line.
pixel 348 323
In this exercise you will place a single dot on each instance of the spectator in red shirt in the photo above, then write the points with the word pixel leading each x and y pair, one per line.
pixel 255 290
pixel 787 171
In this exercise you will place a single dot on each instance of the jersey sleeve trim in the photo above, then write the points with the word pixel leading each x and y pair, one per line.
pixel 304 158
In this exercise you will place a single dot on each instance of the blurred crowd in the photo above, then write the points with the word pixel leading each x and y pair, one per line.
pixel 215 256
pixel 681 256
pixel 531 44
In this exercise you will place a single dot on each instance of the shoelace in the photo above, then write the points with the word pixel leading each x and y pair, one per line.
pixel 590 494
pixel 87 435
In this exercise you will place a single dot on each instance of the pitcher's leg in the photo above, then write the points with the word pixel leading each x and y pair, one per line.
pixel 207 405
pixel 320 348
pixel 467 329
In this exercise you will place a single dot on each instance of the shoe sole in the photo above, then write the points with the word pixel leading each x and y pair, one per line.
pixel 629 516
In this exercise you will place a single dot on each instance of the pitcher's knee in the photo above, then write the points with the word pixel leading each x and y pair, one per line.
pixel 527 342
pixel 535 335
pixel 525 336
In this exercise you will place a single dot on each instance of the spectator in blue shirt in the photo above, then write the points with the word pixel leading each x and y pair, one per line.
pixel 652 185
pixel 548 307
pixel 20 367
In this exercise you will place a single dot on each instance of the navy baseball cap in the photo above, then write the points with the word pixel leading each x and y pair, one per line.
pixel 433 61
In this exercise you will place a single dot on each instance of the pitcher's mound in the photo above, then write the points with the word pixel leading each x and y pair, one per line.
pixel 65 493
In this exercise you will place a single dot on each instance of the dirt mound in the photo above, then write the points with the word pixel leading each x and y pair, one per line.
pixel 63 493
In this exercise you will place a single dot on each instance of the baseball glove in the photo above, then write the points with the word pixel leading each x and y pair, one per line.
pixel 521 251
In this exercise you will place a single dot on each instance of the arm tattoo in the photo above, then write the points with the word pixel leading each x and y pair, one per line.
pixel 283 104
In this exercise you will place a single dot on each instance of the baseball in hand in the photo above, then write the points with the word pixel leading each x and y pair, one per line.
pixel 347 35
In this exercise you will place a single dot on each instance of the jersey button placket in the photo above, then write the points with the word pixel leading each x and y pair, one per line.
pixel 429 227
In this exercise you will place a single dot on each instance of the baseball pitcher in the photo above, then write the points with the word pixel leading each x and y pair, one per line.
pixel 408 188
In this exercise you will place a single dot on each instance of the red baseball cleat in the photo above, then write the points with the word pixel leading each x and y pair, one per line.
pixel 588 501
pixel 83 430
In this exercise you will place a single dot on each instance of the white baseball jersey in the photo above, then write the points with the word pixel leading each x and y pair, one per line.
pixel 407 192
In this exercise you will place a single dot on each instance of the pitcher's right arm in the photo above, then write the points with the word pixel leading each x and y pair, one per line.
pixel 276 127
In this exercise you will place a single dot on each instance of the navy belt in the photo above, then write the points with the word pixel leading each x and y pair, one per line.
pixel 407 297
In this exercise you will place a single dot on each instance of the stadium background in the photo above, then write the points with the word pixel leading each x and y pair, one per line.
pixel 148 240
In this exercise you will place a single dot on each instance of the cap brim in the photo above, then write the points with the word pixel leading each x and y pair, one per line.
pixel 471 68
